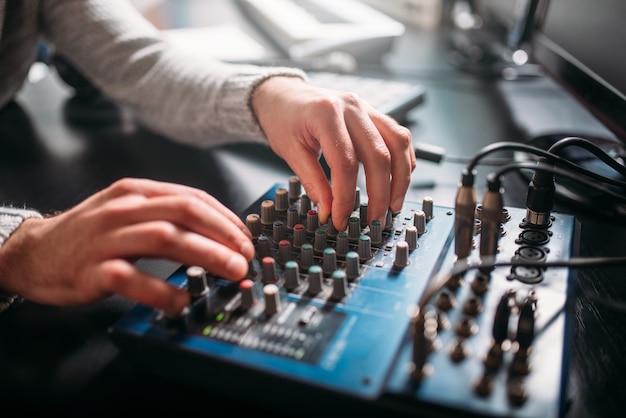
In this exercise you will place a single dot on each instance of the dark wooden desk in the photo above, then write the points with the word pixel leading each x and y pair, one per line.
pixel 55 152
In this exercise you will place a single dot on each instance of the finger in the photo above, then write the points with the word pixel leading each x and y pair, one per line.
pixel 187 212
pixel 399 142
pixel 123 278
pixel 315 183
pixel 341 158
pixel 162 239
pixel 151 188
pixel 373 153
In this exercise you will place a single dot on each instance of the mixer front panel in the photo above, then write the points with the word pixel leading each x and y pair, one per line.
pixel 333 311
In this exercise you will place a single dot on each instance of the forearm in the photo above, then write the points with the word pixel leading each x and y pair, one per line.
pixel 193 99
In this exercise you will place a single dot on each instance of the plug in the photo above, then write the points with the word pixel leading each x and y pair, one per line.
pixel 429 152
pixel 491 217
pixel 540 197
pixel 464 208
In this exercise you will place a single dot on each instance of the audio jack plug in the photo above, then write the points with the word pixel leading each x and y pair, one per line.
pixel 540 197
pixel 464 208
pixel 491 216
pixel 500 330
pixel 525 335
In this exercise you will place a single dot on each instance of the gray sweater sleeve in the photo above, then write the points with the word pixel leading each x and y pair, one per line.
pixel 193 99
pixel 10 219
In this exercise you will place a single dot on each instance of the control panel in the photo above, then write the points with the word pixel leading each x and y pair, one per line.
pixel 352 321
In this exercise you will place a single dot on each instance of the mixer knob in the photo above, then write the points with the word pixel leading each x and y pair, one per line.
pixel 354 228
pixel 306 256
pixel 268 212
pixel 253 222
pixel 410 237
pixel 305 205
pixel 340 285
pixel 316 279
pixel 269 270
pixel 299 235
pixel 293 217
pixel 278 231
pixel 427 207
pixel 284 251
pixel 320 242
pixel 263 247
pixel 312 221
pixel 342 245
pixel 363 214
pixel 331 231
pixel 329 261
pixel 357 199
pixel 402 255
pixel 292 275
pixel 376 232
pixel 419 220
pixel 282 199
pixel 352 265
pixel 295 188
pixel 248 298
pixel 196 282
pixel 272 299
pixel 365 247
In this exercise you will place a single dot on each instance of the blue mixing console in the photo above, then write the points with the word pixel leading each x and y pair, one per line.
pixel 333 322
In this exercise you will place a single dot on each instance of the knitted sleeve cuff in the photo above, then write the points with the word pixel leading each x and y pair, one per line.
pixel 10 219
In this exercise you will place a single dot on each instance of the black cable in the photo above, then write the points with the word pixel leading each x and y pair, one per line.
pixel 589 146
pixel 595 153
pixel 485 162
pixel 501 146
pixel 556 170
pixel 437 154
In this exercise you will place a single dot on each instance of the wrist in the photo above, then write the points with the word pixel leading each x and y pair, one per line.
pixel 10 220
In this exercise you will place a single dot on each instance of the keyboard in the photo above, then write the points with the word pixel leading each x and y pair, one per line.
pixel 306 28
pixel 392 97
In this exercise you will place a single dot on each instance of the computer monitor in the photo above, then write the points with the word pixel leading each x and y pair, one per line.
pixel 581 44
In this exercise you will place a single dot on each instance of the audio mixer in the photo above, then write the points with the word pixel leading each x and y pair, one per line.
pixel 379 320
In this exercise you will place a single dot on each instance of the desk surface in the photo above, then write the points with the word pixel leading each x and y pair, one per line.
pixel 56 153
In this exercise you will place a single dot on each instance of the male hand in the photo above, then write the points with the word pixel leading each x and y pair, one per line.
pixel 302 122
pixel 88 252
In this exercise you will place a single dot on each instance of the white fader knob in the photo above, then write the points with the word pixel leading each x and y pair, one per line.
pixel 402 254
pixel 272 299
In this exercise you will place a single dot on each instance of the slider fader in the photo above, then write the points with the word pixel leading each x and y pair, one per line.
pixel 325 321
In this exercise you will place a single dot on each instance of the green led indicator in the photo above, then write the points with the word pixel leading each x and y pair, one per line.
pixel 219 317
pixel 299 354
pixel 207 330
